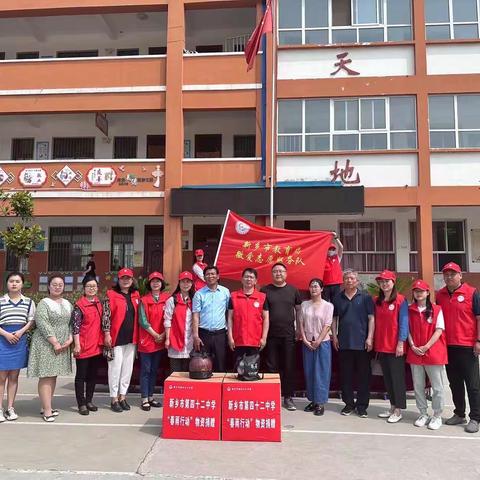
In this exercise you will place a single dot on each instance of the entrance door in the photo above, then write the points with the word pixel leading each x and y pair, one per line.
pixel 207 237
pixel 153 260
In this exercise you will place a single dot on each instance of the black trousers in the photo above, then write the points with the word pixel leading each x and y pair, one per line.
pixel 86 378
pixel 179 364
pixel 463 371
pixel 394 378
pixel 329 292
pixel 355 368
pixel 240 351
pixel 215 344
pixel 280 358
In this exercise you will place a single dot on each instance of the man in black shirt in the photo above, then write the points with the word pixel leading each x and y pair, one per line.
pixel 90 268
pixel 284 303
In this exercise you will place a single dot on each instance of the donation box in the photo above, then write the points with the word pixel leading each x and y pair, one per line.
pixel 251 410
pixel 192 408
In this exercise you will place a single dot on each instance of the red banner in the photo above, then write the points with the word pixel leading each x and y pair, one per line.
pixel 245 244
pixel 253 45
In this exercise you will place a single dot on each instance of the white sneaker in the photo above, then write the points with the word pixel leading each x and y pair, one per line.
pixel 435 423
pixel 394 418
pixel 385 414
pixel 2 416
pixel 11 414
pixel 422 420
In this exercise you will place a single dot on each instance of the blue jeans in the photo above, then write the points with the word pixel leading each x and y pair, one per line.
pixel 149 363
pixel 317 366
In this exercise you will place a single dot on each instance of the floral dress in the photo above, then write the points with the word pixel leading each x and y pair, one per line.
pixel 52 319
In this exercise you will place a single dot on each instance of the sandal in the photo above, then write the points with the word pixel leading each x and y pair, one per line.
pixel 49 418
pixel 145 406
pixel 154 403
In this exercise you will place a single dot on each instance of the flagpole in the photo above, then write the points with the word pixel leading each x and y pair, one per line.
pixel 221 238
pixel 274 84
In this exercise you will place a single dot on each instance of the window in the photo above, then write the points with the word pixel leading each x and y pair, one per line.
pixel 155 146
pixel 344 21
pixel 157 50
pixel 368 246
pixel 125 147
pixel 448 244
pixel 209 48
pixel 27 55
pixel 454 121
pixel 124 52
pixel 2 55
pixel 22 148
pixel 387 123
pixel 208 146
pixel 297 225
pixel 122 248
pixel 69 248
pixel 74 147
pixel 77 53
pixel 244 146
pixel 451 19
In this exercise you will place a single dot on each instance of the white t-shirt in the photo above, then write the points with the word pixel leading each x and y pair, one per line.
pixel 440 319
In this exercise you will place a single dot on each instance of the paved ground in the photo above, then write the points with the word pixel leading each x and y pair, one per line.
pixel 127 445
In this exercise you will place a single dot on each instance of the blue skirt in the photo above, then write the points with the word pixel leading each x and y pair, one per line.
pixel 13 357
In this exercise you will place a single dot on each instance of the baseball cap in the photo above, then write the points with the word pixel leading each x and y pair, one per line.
pixel 185 275
pixel 420 285
pixel 199 251
pixel 386 275
pixel 125 272
pixel 155 275
pixel 452 266
pixel 332 246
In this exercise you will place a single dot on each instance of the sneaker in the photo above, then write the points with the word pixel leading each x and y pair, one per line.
pixel 362 413
pixel 288 404
pixel 55 413
pixel 394 417
pixel 422 420
pixel 456 420
pixel 319 410
pixel 11 414
pixel 472 426
pixel 2 416
pixel 385 414
pixel 347 410
pixel 435 423
pixel 310 407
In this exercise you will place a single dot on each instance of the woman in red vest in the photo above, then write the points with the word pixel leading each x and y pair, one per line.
pixel 88 340
pixel 178 323
pixel 120 326
pixel 198 268
pixel 151 338
pixel 427 353
pixel 391 332
pixel 333 274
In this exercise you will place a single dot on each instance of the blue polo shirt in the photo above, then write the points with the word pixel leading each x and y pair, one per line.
pixel 353 319
pixel 212 306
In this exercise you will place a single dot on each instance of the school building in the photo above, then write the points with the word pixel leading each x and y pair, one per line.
pixel 135 125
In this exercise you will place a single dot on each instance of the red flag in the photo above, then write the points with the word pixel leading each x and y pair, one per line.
pixel 245 244
pixel 253 44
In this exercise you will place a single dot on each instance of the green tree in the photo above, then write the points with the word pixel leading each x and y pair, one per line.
pixel 20 238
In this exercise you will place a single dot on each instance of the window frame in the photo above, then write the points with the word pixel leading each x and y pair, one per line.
pixel 359 132
pixel 123 262
pixel 70 231
pixel 330 28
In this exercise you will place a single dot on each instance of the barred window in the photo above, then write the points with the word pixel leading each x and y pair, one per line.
pixel 22 148
pixel 125 147
pixel 73 147
pixel 122 248
pixel 69 248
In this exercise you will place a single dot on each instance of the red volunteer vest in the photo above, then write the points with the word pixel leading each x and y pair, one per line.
pixel 91 337
pixel 179 320
pixel 247 318
pixel 421 331
pixel 333 274
pixel 386 325
pixel 154 312
pixel 460 322
pixel 197 281
pixel 118 309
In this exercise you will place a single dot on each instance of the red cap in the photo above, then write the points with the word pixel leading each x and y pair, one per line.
pixel 420 285
pixel 185 275
pixel 332 246
pixel 155 275
pixel 386 275
pixel 198 252
pixel 452 266
pixel 125 272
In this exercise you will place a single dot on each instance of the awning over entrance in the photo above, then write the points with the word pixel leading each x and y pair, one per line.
pixel 202 201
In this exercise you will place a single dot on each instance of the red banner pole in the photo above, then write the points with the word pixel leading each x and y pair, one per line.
pixel 221 238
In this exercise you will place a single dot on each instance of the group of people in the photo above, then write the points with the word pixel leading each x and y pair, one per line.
pixel 202 314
